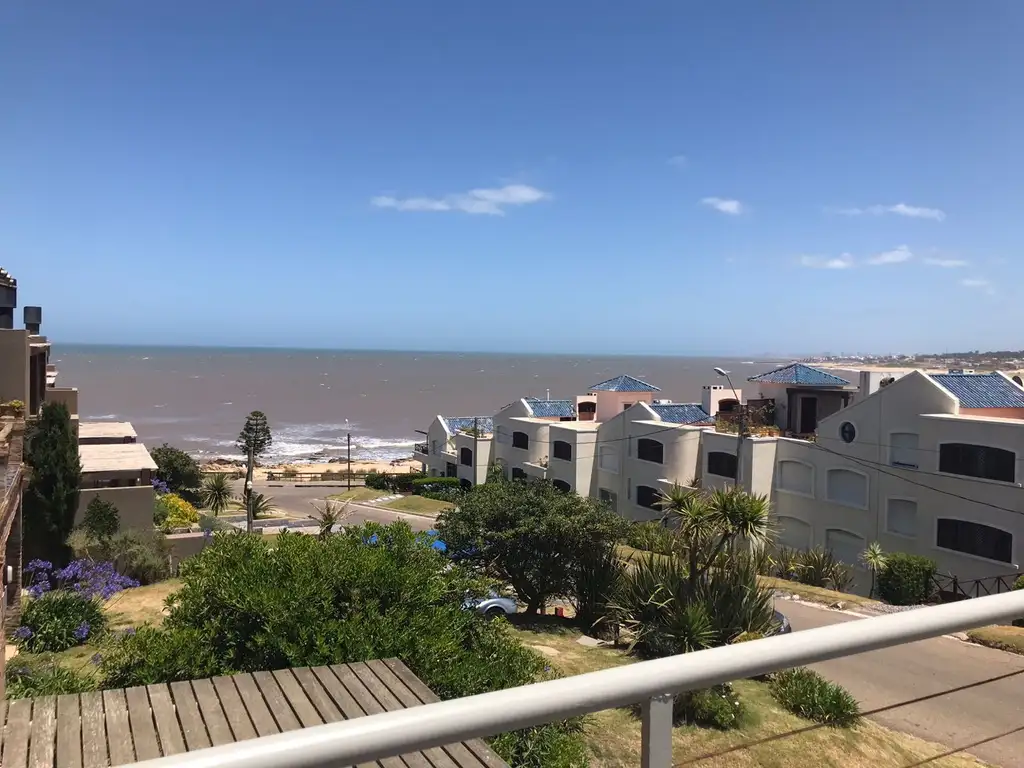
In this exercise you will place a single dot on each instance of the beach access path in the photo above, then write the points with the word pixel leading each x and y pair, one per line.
pixel 296 500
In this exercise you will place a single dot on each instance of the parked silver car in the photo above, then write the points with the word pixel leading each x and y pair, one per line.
pixel 492 605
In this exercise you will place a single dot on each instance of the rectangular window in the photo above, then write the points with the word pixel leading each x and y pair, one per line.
pixel 608 497
pixel 561 450
pixel 901 517
pixel 978 461
pixel 722 464
pixel 974 539
pixel 608 458
pixel 903 450
pixel 520 440
pixel 518 474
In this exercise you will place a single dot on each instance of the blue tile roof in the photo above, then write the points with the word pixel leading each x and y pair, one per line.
pixel 981 390
pixel 551 408
pixel 682 413
pixel 798 373
pixel 624 383
pixel 455 423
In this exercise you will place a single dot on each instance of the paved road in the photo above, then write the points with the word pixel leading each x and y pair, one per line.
pixel 296 500
pixel 909 671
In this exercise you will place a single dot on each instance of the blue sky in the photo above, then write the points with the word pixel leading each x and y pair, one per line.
pixel 656 177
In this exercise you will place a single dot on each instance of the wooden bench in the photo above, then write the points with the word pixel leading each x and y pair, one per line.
pixel 126 725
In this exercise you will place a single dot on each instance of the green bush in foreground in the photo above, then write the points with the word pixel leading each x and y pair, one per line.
pixel 44 676
pixel 906 579
pixel 809 695
pixel 371 592
pixel 59 620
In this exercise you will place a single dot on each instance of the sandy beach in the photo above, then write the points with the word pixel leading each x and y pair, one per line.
pixel 398 465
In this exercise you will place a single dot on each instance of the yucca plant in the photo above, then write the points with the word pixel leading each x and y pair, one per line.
pixel 262 506
pixel 216 492
pixel 735 602
pixel 328 514
pixel 874 559
pixel 819 568
pixel 596 581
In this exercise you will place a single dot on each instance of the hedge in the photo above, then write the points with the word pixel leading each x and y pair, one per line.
pixel 906 579
pixel 431 484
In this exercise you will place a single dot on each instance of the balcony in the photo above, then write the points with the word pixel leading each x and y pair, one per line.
pixel 420 451
pixel 66 395
pixel 538 469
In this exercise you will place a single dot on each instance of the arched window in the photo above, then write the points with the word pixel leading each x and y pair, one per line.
pixel 845 546
pixel 794 533
pixel 847 487
pixel 561 450
pixel 520 440
pixel 466 457
pixel 722 464
pixel 978 461
pixel 795 477
pixel 518 474
pixel 561 485
pixel 650 450
pixel 608 458
pixel 974 539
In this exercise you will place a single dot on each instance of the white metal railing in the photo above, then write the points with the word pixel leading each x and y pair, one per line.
pixel 374 737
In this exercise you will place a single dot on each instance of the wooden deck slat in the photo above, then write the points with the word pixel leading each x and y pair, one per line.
pixel 290 687
pixel 437 756
pixel 387 700
pixel 366 702
pixel 234 710
pixel 94 730
pixel 119 733
pixel 42 742
pixel 276 701
pixel 255 705
pixel 192 726
pixel 318 697
pixel 212 713
pixel 16 733
pixel 480 750
pixel 69 732
pixel 167 727
pixel 147 747
pixel 341 697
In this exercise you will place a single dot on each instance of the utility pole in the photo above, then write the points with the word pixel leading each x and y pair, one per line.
pixel 348 442
pixel 248 493
pixel 476 439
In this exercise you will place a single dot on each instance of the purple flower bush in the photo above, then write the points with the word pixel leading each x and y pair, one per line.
pixel 66 608
pixel 160 486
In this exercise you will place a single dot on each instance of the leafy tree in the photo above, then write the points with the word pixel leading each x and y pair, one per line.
pixel 530 535
pixel 101 520
pixel 216 492
pixel 874 558
pixel 51 499
pixel 178 470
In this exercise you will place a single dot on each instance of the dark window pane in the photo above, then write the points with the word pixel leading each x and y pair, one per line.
pixel 722 464
pixel 974 539
pixel 466 457
pixel 520 440
pixel 518 474
pixel 647 496
pixel 650 450
pixel 561 485
pixel 562 450
pixel 978 461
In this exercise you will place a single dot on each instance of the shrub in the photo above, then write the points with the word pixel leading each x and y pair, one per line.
pixel 174 512
pixel 718 707
pixel 594 582
pixel 143 556
pixel 59 620
pixel 87 577
pixel 807 694
pixel 906 579
pixel 177 470
pixel 422 485
pixel 51 497
pixel 650 536
pixel 816 567
pixel 101 519
pixel 44 676
pixel 369 592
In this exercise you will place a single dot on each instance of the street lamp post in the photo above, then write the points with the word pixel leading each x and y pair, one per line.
pixel 248 506
pixel 742 428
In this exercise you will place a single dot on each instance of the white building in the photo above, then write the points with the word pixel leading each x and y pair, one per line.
pixel 928 464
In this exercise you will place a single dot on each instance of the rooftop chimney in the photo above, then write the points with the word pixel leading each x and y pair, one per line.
pixel 8 300
pixel 33 319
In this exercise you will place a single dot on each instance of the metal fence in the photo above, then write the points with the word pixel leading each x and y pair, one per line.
pixel 948 588
pixel 653 683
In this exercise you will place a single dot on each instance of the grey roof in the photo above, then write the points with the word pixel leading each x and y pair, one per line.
pixel 798 373
pixel 981 390
pixel 682 413
pixel 624 383
pixel 550 408
pixel 455 423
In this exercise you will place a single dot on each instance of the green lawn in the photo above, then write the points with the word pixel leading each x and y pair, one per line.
pixel 417 505
pixel 614 735
pixel 358 494
pixel 1004 638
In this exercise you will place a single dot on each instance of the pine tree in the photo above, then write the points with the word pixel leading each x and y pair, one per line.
pixel 51 499
pixel 253 442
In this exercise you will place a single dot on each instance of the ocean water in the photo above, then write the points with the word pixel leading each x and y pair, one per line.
pixel 197 398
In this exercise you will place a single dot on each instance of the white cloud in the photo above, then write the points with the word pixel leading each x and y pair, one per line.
pixel 900 209
pixel 978 284
pixel 731 207
pixel 679 161
pixel 945 263
pixel 897 255
pixel 843 261
pixel 490 202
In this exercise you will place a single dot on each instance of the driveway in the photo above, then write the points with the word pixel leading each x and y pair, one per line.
pixel 295 500
pixel 910 671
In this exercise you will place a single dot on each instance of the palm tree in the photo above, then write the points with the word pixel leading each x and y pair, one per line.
pixel 329 514
pixel 216 492
pixel 874 559
pixel 262 506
